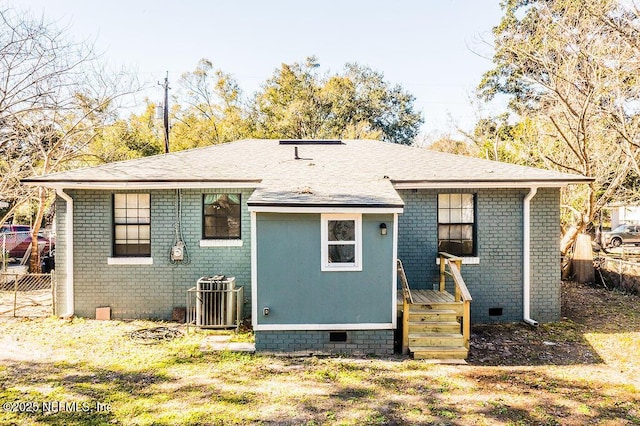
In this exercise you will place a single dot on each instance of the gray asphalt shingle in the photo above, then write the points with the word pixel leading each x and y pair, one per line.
pixel 356 172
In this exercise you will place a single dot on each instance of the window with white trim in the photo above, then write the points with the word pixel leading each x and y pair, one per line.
pixel 341 242
pixel 132 225
pixel 221 216
pixel 456 224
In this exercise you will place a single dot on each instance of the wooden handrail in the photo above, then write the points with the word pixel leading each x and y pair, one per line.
pixel 446 258
pixel 461 287
pixel 407 301
pixel 461 290
pixel 406 292
pixel 448 255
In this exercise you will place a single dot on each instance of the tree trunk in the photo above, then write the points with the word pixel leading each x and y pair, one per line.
pixel 34 261
pixel 569 238
pixel 582 262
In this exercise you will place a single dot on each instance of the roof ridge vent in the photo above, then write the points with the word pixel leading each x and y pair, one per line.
pixel 311 142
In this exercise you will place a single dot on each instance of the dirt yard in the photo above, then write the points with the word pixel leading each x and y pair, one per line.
pixel 589 314
pixel 36 303
pixel 582 370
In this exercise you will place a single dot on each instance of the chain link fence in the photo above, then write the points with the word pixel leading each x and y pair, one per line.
pixel 27 295
pixel 623 274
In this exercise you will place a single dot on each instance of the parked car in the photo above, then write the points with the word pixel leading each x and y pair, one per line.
pixel 12 235
pixel 623 234
pixel 17 238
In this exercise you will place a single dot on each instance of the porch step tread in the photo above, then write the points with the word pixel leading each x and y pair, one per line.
pixel 439 315
pixel 434 327
pixel 438 352
pixel 435 311
pixel 434 306
pixel 435 340
pixel 437 348
pixel 433 334
pixel 433 322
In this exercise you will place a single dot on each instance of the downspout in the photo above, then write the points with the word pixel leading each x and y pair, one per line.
pixel 69 253
pixel 526 279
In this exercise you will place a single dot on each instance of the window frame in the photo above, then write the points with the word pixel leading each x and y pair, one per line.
pixel 115 225
pixel 210 241
pixel 473 223
pixel 326 265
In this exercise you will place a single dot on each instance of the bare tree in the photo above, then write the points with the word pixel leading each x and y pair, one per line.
pixel 54 97
pixel 569 74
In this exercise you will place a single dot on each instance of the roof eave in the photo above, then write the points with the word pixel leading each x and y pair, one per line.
pixel 437 184
pixel 324 208
pixel 144 184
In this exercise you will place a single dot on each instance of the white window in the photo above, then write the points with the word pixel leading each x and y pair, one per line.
pixel 457 224
pixel 341 242
pixel 132 225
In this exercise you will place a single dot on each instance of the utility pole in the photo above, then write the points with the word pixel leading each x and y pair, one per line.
pixel 165 112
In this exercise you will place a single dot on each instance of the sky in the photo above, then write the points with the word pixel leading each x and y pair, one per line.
pixel 436 50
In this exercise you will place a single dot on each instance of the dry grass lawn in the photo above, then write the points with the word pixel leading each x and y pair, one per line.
pixel 583 370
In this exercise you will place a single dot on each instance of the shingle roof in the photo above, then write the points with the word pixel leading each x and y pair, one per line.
pixel 355 172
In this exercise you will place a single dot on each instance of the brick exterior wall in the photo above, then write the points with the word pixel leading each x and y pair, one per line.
pixel 144 291
pixel 152 291
pixel 359 342
pixel 496 282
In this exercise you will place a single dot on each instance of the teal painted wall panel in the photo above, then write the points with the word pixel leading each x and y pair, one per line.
pixel 292 285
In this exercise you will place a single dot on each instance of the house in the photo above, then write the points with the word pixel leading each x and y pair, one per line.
pixel 312 231
pixel 623 213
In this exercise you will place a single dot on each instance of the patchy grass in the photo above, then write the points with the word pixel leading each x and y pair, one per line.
pixel 583 370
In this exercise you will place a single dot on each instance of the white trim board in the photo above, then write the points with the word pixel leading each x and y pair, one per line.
pixel 254 270
pixel 483 185
pixel 325 209
pixel 325 327
pixel 465 260
pixel 394 273
pixel 115 186
pixel 130 261
pixel 325 264
pixel 221 243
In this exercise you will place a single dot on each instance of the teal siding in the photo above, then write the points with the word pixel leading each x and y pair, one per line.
pixel 497 281
pixel 291 283
pixel 145 291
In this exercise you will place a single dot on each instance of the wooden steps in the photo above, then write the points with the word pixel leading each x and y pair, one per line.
pixel 435 323
pixel 434 331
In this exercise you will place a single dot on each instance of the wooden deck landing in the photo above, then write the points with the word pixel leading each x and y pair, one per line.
pixel 425 297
